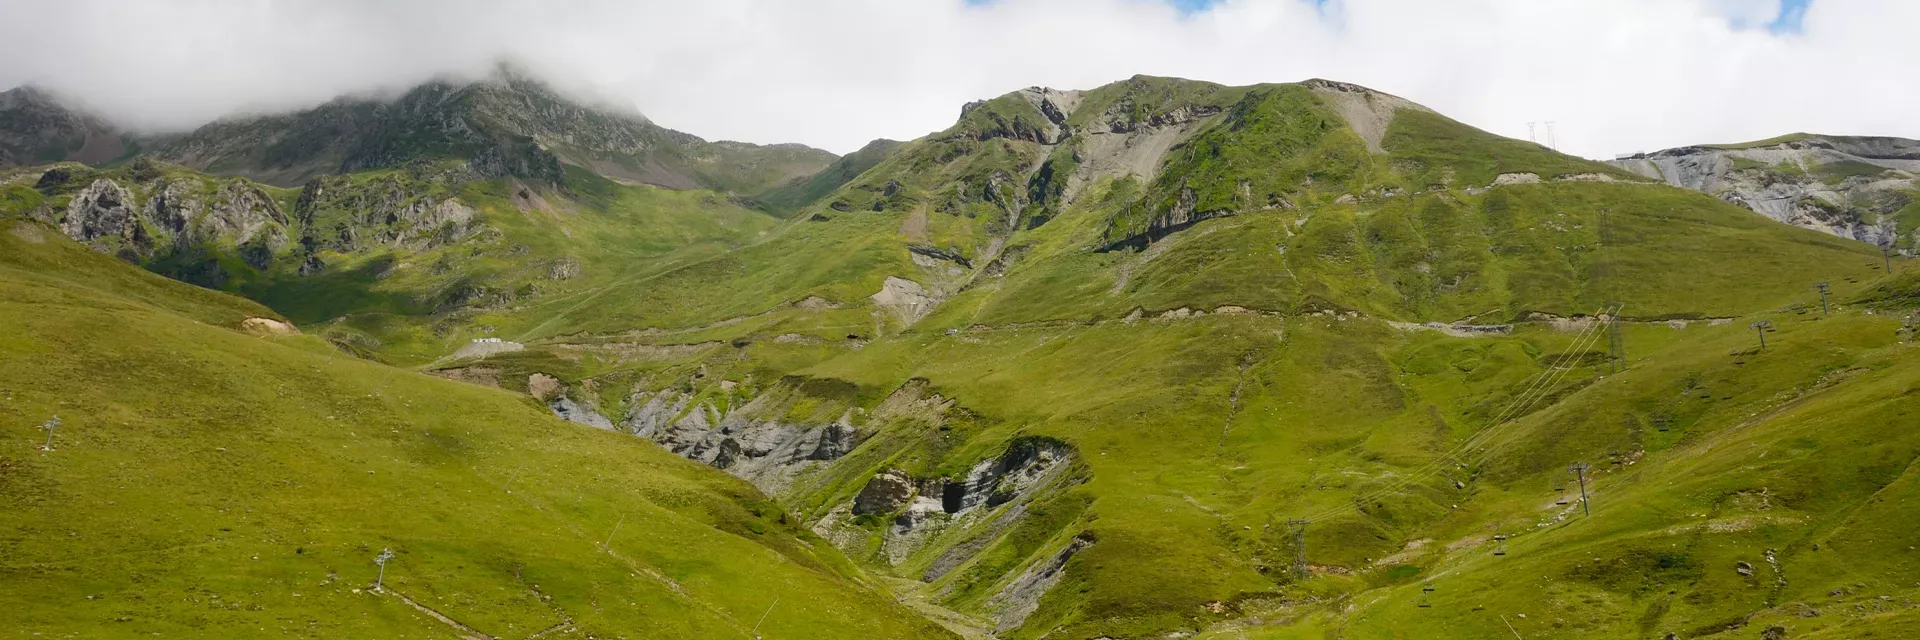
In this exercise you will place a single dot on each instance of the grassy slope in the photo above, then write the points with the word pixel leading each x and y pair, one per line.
pixel 801 192
pixel 1187 511
pixel 614 233
pixel 207 481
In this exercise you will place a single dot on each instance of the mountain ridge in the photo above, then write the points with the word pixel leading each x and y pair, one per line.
pixel 1858 187
pixel 1073 366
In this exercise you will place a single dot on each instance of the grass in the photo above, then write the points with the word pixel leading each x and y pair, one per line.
pixel 205 481
pixel 1195 438
pixel 801 192
pixel 1791 137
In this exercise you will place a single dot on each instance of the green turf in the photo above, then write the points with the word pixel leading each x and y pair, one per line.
pixel 208 482
pixel 1213 378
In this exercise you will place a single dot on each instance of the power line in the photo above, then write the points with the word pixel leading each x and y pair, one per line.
pixel 1534 391
pixel 1531 394
pixel 1558 375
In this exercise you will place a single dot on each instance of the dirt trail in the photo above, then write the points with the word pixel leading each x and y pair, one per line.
pixel 459 629
pixel 1233 401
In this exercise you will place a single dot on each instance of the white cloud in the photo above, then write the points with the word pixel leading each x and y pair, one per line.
pixel 1614 75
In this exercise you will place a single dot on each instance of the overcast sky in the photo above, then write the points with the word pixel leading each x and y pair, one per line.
pixel 1613 75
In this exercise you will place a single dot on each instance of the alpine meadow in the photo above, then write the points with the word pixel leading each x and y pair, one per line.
pixel 1159 358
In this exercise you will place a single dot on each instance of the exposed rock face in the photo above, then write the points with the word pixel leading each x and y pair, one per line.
pixel 267 326
pixel 966 514
pixel 1368 112
pixel 997 481
pixel 905 299
pixel 346 215
pixel 241 213
pixel 176 223
pixel 103 216
pixel 887 492
pixel 769 452
pixel 545 387
pixel 1021 598
pixel 443 224
pixel 1516 178
pixel 563 269
pixel 37 128
pixel 507 124
pixel 567 409
pixel 1846 186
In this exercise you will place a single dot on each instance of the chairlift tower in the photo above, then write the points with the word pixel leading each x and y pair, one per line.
pixel 50 425
pixel 1823 287
pixel 1761 327
pixel 1579 470
pixel 379 583
pixel 1616 344
pixel 1299 548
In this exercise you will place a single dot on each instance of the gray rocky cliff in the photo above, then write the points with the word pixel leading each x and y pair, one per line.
pixel 1853 187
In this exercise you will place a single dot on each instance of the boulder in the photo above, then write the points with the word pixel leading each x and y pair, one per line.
pixel 887 492
pixel 267 327
pixel 544 387
pixel 101 213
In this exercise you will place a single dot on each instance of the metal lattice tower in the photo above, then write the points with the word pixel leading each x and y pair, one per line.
pixel 1299 548
pixel 1616 344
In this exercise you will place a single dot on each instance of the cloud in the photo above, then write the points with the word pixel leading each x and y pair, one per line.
pixel 1613 75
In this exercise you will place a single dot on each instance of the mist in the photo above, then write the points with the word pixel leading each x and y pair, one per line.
pixel 1614 76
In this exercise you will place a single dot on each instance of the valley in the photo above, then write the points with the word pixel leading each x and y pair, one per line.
pixel 1159 358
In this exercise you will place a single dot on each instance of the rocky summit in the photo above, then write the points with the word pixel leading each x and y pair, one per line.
pixel 1160 358
pixel 1850 186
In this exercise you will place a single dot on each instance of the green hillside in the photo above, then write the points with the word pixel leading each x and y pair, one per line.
pixel 1076 366
pixel 810 189
pixel 1208 378
pixel 204 481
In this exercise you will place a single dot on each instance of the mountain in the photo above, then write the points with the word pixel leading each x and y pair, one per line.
pixel 37 127
pixel 800 192
pixel 1157 358
pixel 507 124
pixel 1075 363
pixel 1856 187
pixel 215 473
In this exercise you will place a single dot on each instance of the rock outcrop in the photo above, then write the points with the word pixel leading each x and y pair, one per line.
pixel 749 441
pixel 103 216
pixel 887 492
pixel 905 299
pixel 1851 187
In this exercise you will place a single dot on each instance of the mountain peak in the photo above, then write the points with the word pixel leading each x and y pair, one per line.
pixel 39 126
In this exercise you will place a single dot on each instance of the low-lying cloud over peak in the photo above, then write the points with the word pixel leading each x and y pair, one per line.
pixel 1613 75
